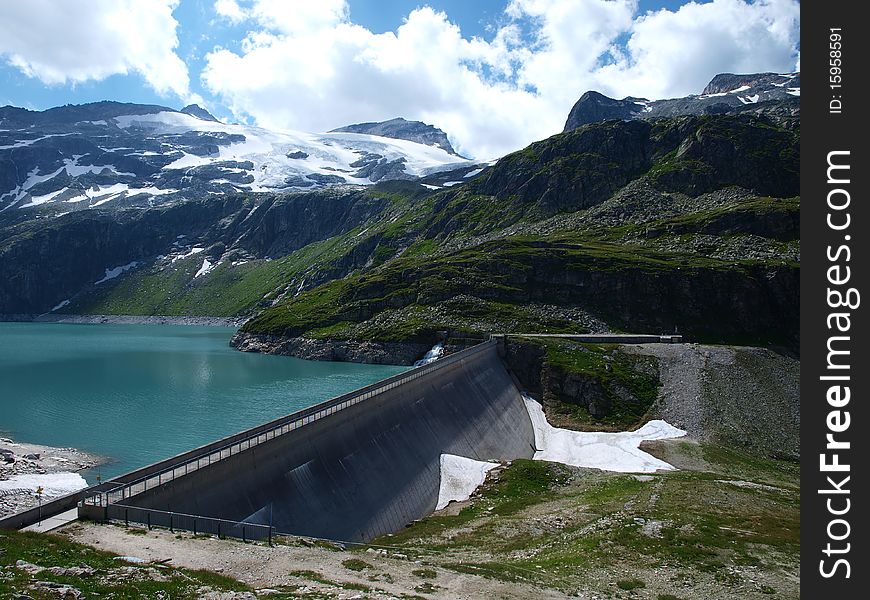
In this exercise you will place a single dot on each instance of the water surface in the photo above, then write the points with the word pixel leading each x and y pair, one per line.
pixel 141 393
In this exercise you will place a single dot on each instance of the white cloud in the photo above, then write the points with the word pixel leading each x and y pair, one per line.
pixel 676 53
pixel 82 40
pixel 304 65
pixel 231 10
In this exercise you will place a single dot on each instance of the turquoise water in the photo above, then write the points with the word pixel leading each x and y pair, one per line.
pixel 140 393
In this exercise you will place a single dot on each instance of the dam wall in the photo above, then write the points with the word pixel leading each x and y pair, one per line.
pixel 363 469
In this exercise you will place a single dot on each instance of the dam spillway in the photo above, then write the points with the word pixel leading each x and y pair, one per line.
pixel 352 468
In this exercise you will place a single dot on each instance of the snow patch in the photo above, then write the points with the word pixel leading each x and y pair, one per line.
pixel 60 305
pixel 188 254
pixel 431 187
pixel 206 268
pixel 473 173
pixel 451 183
pixel 52 484
pixel 618 452
pixel 460 476
pixel 794 91
pixel 116 271
pixel 432 355
pixel 742 88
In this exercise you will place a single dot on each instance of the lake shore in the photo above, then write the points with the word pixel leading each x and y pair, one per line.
pixel 24 467
pixel 234 322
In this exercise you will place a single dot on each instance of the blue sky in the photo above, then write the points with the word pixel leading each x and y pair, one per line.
pixel 495 74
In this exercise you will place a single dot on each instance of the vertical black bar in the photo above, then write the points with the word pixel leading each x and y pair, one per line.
pixel 835 222
pixel 126 517
pixel 244 538
pixel 149 521
pixel 219 529
pixel 170 523
pixel 194 527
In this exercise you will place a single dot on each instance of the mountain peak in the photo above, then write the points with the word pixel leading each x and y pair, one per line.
pixel 724 83
pixel 199 112
pixel 400 128
pixel 777 95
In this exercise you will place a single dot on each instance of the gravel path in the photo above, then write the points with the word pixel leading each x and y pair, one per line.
pixel 389 574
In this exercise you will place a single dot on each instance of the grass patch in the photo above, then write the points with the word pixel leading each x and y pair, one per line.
pixel 425 573
pixel 46 550
pixel 630 584
pixel 355 564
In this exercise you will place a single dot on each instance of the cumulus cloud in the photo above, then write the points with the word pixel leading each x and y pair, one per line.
pixel 675 53
pixel 83 40
pixel 305 65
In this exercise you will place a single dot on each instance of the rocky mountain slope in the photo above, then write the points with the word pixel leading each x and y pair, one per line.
pixel 687 222
pixel 122 155
pixel 401 129
pixel 761 93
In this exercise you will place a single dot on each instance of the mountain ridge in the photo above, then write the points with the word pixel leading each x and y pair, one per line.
pixel 762 93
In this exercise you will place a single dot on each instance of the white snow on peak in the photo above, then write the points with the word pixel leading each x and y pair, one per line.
pixel 432 355
pixel 794 91
pixel 451 183
pixel 116 271
pixel 748 99
pixel 74 169
pixel 742 88
pixel 460 476
pixel 328 153
pixel 618 452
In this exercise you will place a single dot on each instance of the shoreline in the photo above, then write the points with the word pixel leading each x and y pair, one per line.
pixel 25 466
pixel 231 322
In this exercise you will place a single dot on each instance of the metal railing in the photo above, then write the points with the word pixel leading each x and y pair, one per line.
pixel 196 524
pixel 193 461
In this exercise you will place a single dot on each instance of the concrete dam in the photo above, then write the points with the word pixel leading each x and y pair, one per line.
pixel 351 468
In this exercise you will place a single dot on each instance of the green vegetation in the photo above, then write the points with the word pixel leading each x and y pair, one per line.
pixel 94 573
pixel 630 584
pixel 628 383
pixel 425 573
pixel 502 279
pixel 566 528
pixel 483 257
pixel 355 564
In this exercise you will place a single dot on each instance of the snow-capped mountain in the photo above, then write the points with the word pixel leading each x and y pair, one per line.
pixel 770 93
pixel 402 129
pixel 116 154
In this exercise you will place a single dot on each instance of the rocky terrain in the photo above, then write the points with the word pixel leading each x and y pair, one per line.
pixel 533 530
pixel 674 219
pixel 116 155
pixel 402 129
pixel 26 467
pixel 772 94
